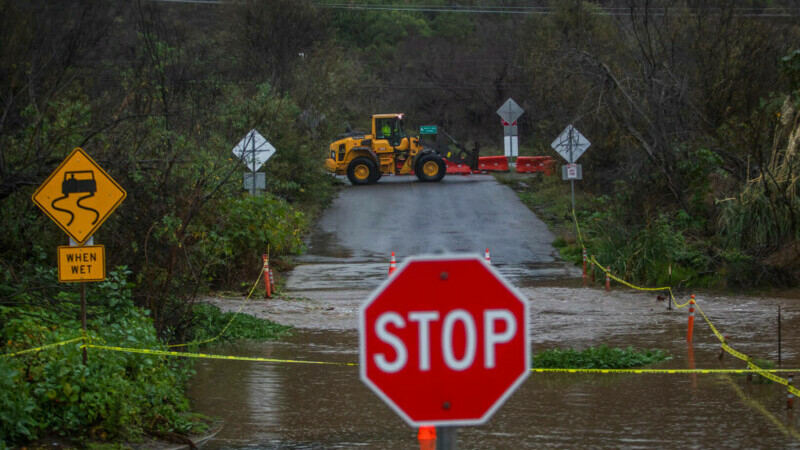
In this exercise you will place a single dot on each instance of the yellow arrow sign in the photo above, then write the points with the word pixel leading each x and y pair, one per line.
pixel 79 195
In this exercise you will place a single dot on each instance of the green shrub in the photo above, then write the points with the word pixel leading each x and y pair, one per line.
pixel 766 365
pixel 208 322
pixel 602 357
pixel 117 395
pixel 248 226
pixel 17 421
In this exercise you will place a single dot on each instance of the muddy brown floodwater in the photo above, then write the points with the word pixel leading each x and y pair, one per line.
pixel 306 406
pixel 297 406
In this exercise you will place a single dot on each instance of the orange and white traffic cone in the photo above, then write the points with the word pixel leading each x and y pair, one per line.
pixel 392 265
pixel 271 280
pixel 267 286
pixel 585 259
pixel 427 438
pixel 487 256
pixel 690 330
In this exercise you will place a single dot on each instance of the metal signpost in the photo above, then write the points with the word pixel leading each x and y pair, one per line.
pixel 571 144
pixel 79 196
pixel 509 113
pixel 254 150
pixel 444 342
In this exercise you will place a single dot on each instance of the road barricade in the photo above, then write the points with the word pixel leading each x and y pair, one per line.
pixel 493 164
pixel 532 164
pixel 452 168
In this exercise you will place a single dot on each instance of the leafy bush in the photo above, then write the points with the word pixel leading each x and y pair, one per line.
pixel 766 365
pixel 17 408
pixel 602 357
pixel 248 226
pixel 208 322
pixel 115 395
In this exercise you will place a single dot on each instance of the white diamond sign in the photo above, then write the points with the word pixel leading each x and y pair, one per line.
pixel 254 150
pixel 570 144
pixel 510 111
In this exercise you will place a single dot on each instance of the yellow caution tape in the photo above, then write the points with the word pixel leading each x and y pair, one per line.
pixel 225 328
pixel 209 356
pixel 680 305
pixel 713 328
pixel 578 228
pixel 44 347
pixel 662 371
pixel 788 431
pixel 620 280
pixel 638 288
pixel 752 367
pixel 535 370
pixel 84 337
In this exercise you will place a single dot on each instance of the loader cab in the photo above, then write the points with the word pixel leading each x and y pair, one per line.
pixel 388 127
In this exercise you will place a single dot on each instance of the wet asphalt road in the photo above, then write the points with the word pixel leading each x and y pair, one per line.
pixel 350 246
pixel 405 216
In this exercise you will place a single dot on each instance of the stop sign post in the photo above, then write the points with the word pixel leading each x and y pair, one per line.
pixel 444 341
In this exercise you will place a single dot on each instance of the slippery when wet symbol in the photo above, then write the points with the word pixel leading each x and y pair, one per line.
pixel 73 185
pixel 79 195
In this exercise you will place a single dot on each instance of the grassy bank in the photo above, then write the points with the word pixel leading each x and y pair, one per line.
pixel 550 199
pixel 642 252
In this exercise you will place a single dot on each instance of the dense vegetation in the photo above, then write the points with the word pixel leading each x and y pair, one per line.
pixel 117 395
pixel 602 357
pixel 691 107
pixel 114 396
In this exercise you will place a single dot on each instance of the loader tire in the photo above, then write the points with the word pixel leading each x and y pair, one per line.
pixel 430 167
pixel 362 171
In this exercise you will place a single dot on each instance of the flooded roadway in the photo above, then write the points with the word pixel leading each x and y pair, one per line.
pixel 298 406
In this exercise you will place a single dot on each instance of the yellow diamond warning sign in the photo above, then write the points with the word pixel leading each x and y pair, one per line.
pixel 79 196
pixel 81 263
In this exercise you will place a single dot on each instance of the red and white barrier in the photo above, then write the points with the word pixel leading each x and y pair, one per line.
pixel 493 163
pixel 532 164
pixel 454 168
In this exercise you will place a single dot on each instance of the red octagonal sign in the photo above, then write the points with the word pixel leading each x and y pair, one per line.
pixel 444 341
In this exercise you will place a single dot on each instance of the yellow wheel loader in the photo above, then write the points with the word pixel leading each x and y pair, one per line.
pixel 364 158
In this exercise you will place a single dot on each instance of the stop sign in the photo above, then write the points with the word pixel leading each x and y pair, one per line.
pixel 444 341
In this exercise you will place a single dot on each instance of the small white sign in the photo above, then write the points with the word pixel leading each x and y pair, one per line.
pixel 261 181
pixel 511 146
pixel 572 171
pixel 570 144
pixel 254 150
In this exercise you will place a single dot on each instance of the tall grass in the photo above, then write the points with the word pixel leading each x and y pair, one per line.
pixel 765 215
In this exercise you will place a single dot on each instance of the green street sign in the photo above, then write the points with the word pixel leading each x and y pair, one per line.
pixel 427 129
